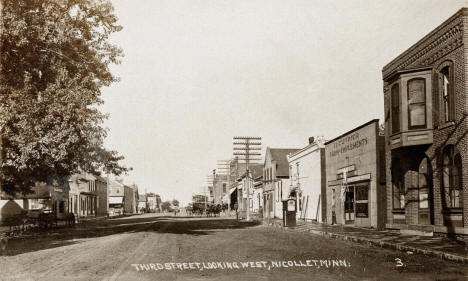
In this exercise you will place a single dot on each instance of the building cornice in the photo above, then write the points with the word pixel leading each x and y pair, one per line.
pixel 445 38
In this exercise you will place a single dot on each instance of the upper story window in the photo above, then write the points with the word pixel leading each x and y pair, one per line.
pixel 447 93
pixel 416 103
pixel 395 109
pixel 451 178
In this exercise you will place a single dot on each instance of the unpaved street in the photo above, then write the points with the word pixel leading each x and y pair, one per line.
pixel 151 247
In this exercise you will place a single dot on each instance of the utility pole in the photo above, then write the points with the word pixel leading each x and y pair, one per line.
pixel 248 147
pixel 226 165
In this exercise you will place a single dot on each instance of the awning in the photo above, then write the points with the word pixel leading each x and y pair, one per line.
pixel 116 200
pixel 232 190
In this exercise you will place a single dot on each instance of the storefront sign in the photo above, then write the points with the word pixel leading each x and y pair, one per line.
pixel 348 143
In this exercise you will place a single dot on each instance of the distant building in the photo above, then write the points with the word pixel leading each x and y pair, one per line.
pixel 276 181
pixel 246 185
pixel 142 203
pixel 130 199
pixel 153 202
pixel 116 197
pixel 220 188
pixel 82 195
pixel 102 196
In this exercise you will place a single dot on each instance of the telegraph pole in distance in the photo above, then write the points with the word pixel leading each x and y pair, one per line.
pixel 247 147
pixel 226 165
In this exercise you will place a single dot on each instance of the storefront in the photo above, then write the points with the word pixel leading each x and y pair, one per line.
pixel 355 173
pixel 116 205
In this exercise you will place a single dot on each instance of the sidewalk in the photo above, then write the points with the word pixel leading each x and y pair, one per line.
pixel 441 247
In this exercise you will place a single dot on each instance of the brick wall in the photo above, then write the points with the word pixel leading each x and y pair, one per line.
pixel 448 42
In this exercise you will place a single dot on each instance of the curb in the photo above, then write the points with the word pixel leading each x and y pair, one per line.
pixel 383 244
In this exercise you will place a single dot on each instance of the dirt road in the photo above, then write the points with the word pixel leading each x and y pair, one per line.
pixel 149 247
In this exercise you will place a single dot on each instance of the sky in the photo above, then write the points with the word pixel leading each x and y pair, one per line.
pixel 198 72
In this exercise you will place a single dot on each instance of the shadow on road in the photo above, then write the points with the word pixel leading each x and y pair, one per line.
pixel 67 236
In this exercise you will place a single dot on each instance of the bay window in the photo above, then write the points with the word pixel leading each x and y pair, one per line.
pixel 395 104
pixel 417 103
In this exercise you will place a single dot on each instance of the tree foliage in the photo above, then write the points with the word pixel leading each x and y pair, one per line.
pixel 55 59
pixel 166 206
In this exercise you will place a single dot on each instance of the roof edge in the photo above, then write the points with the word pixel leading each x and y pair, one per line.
pixel 353 130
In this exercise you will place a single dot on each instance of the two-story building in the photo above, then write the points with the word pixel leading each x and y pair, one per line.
pixel 307 178
pixel 246 189
pixel 220 188
pixel 102 193
pixel 116 197
pixel 82 199
pixel 425 93
pixel 276 181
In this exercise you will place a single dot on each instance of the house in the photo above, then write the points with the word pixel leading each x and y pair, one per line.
pixel 425 103
pixel 276 186
pixel 307 170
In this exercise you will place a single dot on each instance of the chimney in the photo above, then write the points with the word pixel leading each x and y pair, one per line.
pixel 311 140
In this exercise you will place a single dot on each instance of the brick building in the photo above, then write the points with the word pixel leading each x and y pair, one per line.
pixel 426 132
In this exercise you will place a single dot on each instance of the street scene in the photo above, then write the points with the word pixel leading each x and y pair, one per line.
pixel 130 248
pixel 233 140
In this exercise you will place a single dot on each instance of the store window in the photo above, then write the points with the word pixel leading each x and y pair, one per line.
pixel 417 103
pixel 446 89
pixel 395 108
pixel 362 200
pixel 398 185
pixel 451 178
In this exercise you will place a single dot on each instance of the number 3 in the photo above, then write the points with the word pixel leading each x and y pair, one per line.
pixel 399 263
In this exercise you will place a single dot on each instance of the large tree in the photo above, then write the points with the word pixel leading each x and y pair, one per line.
pixel 55 57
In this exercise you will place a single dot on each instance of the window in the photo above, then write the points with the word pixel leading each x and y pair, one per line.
pixel 398 185
pixel 451 178
pixel 395 109
pixel 61 206
pixel 417 103
pixel 362 200
pixel 423 178
pixel 224 188
pixel 447 93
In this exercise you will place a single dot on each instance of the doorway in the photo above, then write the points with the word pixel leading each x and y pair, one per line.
pixel 349 205
pixel 425 193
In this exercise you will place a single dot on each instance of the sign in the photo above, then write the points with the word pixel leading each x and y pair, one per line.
pixel 291 205
pixel 348 143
